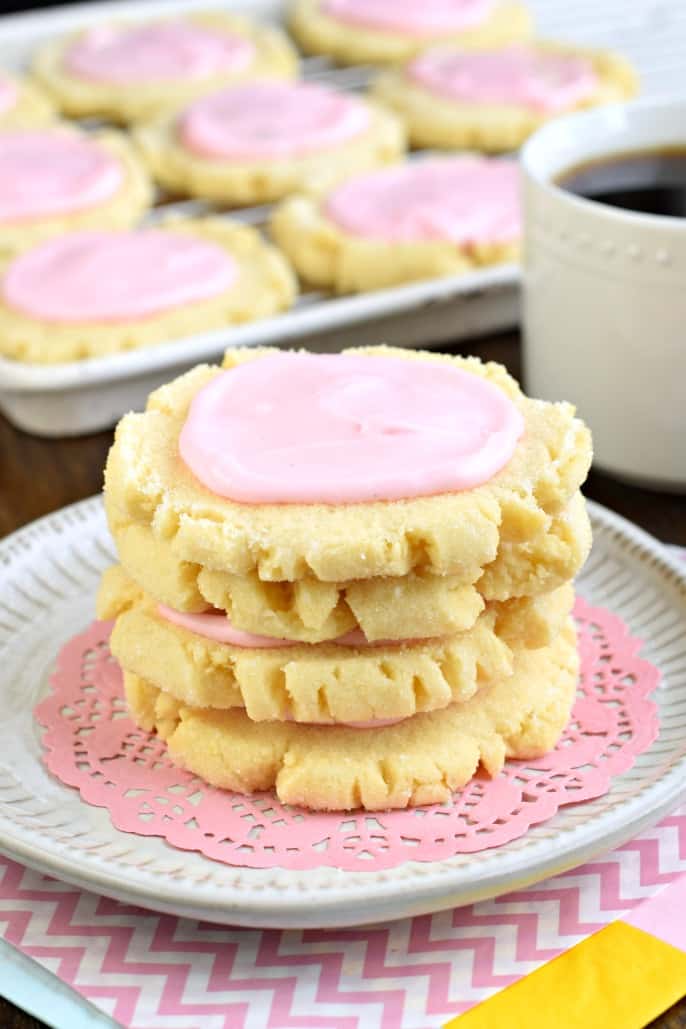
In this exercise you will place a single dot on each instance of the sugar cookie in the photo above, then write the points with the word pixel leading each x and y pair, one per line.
pixel 324 683
pixel 494 100
pixel 23 104
pixel 258 142
pixel 388 607
pixel 57 179
pixel 421 760
pixel 91 293
pixel 419 220
pixel 450 533
pixel 385 31
pixel 130 72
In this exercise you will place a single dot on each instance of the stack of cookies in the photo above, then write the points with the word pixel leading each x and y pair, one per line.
pixel 347 578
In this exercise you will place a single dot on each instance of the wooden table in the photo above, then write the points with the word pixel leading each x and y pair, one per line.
pixel 38 476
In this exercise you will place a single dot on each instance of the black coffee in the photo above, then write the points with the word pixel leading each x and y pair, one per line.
pixel 652 181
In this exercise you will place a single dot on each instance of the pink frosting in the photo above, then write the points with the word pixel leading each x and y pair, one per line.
pixel 271 120
pixel 540 80
pixel 8 94
pixel 156 52
pixel 461 199
pixel 53 172
pixel 425 18
pixel 215 625
pixel 115 276
pixel 338 429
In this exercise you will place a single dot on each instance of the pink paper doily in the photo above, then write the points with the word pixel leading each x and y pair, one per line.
pixel 91 744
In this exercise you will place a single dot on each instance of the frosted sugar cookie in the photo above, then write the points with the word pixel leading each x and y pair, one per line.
pixel 258 142
pixel 494 99
pixel 57 179
pixel 89 293
pixel 307 610
pixel 127 72
pixel 421 760
pixel 382 31
pixel 413 606
pixel 424 463
pixel 417 220
pixel 23 103
pixel 205 661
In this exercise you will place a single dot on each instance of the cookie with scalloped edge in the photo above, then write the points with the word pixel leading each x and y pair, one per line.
pixel 310 611
pixel 436 121
pixel 446 534
pixel 328 257
pixel 273 57
pixel 325 683
pixel 307 610
pixel 121 210
pixel 264 285
pixel 533 622
pixel 421 760
pixel 317 32
pixel 31 108
pixel 225 181
pixel 535 566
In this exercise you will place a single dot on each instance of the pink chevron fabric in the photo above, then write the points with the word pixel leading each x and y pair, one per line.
pixel 151 971
pixel 91 743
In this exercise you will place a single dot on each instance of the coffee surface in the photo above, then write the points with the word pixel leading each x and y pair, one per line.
pixel 648 181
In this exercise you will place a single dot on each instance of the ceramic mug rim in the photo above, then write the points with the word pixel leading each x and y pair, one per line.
pixel 580 137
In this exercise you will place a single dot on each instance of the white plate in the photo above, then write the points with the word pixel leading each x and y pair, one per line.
pixel 81 396
pixel 48 575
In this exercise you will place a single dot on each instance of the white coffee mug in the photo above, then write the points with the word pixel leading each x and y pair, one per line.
pixel 605 295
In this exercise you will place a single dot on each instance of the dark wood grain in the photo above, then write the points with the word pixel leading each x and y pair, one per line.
pixel 13 1018
pixel 38 476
